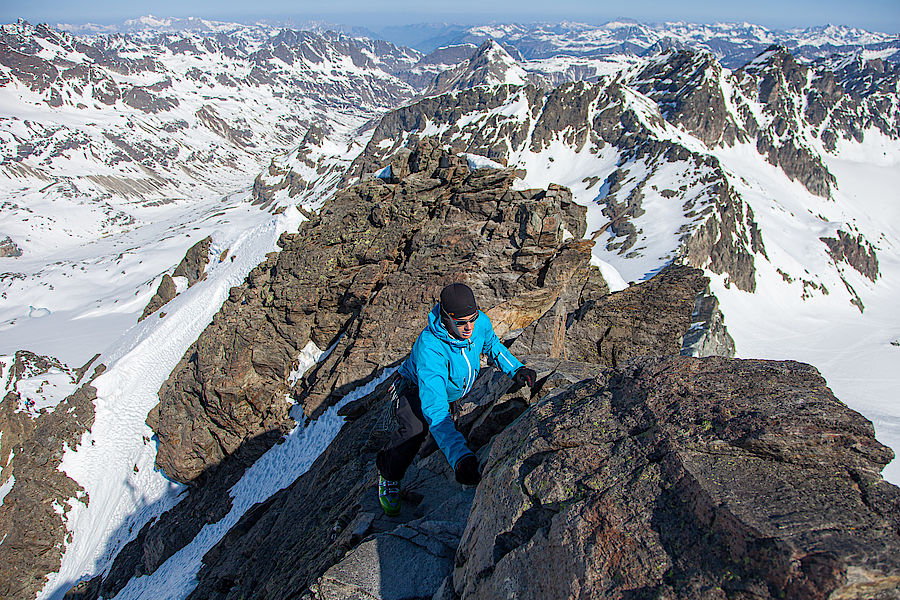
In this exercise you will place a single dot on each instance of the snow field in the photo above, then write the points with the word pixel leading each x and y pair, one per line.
pixel 782 320
pixel 114 462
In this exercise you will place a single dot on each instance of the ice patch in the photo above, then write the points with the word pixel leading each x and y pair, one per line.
pixel 477 161
pixel 6 487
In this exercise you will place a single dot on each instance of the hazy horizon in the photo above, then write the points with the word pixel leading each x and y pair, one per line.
pixel 881 16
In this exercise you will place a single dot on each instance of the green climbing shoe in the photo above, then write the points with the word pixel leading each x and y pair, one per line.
pixel 389 496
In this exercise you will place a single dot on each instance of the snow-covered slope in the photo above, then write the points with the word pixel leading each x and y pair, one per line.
pixel 116 151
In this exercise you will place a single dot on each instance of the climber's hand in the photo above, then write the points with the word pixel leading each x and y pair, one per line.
pixel 525 376
pixel 467 472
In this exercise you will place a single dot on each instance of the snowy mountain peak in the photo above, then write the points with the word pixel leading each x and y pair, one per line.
pixel 490 65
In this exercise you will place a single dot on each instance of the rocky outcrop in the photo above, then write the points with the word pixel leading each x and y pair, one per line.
pixel 669 477
pixel 566 293
pixel 164 294
pixel 684 478
pixel 855 251
pixel 9 248
pixel 191 267
pixel 780 83
pixel 799 100
pixel 362 274
pixel 31 450
pixel 658 317
pixel 719 229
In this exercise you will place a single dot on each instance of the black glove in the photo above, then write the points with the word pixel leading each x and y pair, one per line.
pixel 467 472
pixel 525 376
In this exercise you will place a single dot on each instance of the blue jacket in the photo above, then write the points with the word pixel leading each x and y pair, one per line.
pixel 445 368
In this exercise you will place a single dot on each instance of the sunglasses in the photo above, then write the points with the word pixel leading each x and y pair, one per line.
pixel 460 322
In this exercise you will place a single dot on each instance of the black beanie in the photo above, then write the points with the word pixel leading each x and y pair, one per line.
pixel 457 300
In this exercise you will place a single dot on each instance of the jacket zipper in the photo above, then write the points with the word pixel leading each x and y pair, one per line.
pixel 468 385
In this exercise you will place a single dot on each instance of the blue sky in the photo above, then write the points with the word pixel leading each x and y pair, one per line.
pixel 875 15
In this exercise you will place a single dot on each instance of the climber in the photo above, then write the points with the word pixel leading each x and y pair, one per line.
pixel 441 369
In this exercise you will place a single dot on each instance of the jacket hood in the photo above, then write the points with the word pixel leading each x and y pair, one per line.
pixel 440 332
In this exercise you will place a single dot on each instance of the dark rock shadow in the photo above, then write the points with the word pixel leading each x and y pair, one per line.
pixel 206 501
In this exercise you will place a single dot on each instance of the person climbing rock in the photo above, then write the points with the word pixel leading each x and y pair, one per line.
pixel 441 369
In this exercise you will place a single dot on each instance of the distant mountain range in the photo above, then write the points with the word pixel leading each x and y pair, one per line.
pixel 733 44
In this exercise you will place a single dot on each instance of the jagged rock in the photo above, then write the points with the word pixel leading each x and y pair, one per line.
pixel 652 318
pixel 778 81
pixel 708 335
pixel 8 248
pixel 318 550
pixel 302 291
pixel 722 233
pixel 376 249
pixel 164 293
pixel 684 478
pixel 688 84
pixel 673 477
pixel 192 267
pixel 855 251
pixel 490 64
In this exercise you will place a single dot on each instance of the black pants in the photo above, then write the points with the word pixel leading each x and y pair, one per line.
pixel 412 429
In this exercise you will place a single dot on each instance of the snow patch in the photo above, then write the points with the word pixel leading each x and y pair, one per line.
pixel 613 279
pixel 181 284
pixel 6 487
pixel 477 161
pixel 309 356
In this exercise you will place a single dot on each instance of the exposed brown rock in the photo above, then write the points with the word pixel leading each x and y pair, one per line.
pixel 31 516
pixel 668 477
pixel 192 266
pixel 647 319
pixel 164 293
pixel 685 478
